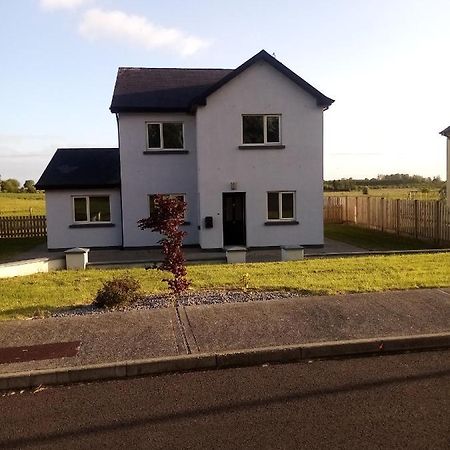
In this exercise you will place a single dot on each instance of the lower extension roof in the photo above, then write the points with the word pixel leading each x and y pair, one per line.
pixel 87 168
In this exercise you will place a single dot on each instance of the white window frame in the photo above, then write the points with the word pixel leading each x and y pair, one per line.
pixel 161 139
pixel 280 206
pixel 170 195
pixel 88 210
pixel 264 116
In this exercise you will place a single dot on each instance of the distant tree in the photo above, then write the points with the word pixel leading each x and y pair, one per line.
pixel 29 187
pixel 10 185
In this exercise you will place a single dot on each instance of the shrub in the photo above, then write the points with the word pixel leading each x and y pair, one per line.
pixel 167 218
pixel 118 292
pixel 365 190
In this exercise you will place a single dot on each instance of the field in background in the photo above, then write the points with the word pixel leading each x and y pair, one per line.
pixel 394 193
pixel 22 204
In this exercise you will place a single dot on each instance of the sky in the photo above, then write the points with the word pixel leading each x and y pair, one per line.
pixel 385 62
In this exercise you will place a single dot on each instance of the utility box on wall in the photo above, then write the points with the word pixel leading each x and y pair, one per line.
pixel 208 222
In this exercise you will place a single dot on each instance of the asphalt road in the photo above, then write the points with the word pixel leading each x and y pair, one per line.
pixel 398 401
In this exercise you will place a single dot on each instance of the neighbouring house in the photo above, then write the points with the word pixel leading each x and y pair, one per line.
pixel 242 147
pixel 446 133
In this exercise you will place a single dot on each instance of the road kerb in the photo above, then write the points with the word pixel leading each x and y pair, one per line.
pixel 171 364
pixel 341 348
pixel 256 356
pixel 417 342
pixel 239 358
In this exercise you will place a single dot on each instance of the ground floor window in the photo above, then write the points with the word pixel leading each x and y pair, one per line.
pixel 91 208
pixel 151 198
pixel 281 205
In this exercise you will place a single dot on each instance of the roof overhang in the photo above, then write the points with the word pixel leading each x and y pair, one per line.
pixel 446 132
pixel 321 99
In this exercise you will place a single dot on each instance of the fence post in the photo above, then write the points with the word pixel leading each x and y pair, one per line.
pixel 416 219
pixel 368 212
pixel 346 208
pixel 397 216
pixel 437 224
pixel 382 213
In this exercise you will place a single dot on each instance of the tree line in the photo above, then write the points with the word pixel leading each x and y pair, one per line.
pixel 397 180
pixel 12 185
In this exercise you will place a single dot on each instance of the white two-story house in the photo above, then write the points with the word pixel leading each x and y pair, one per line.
pixel 242 147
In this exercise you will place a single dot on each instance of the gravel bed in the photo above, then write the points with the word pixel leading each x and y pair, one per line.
pixel 206 297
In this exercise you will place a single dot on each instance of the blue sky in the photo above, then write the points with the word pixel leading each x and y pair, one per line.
pixel 385 62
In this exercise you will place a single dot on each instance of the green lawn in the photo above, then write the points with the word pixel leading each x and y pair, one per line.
pixel 373 239
pixel 22 204
pixel 11 247
pixel 23 296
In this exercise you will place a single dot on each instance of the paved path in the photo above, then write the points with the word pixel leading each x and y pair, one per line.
pixel 119 336
pixel 389 402
pixel 256 255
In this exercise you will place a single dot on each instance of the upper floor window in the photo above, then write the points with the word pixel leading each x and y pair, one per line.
pixel 165 136
pixel 261 129
pixel 91 208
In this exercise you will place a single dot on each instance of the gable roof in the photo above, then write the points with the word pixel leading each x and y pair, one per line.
pixel 182 90
pixel 446 132
pixel 322 100
pixel 82 168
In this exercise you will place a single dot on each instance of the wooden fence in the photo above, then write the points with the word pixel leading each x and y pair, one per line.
pixel 22 226
pixel 421 219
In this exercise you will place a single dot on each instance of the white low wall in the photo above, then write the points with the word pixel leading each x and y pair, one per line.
pixel 31 266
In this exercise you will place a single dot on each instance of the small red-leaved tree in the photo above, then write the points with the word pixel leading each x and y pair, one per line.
pixel 166 218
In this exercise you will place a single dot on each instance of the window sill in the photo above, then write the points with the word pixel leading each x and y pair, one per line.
pixel 92 225
pixel 281 222
pixel 262 147
pixel 165 152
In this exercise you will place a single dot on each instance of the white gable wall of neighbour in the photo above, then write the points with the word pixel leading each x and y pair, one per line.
pixel 61 232
pixel 298 167
pixel 448 171
pixel 145 174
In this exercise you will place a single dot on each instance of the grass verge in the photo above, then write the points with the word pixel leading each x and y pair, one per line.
pixel 11 247
pixel 373 239
pixel 23 296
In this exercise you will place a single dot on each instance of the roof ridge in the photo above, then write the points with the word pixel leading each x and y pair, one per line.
pixel 172 68
pixel 88 148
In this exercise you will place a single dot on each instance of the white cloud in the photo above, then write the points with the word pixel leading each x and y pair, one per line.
pixel 137 30
pixel 62 4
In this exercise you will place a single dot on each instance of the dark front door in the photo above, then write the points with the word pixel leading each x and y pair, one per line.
pixel 233 218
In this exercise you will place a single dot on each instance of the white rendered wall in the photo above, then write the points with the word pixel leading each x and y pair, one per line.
pixel 299 167
pixel 448 171
pixel 144 174
pixel 59 205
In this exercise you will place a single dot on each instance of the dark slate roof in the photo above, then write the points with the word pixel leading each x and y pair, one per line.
pixel 445 132
pixel 166 90
pixel 86 168
pixel 182 90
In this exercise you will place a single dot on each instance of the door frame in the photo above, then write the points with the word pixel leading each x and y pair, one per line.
pixel 242 194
